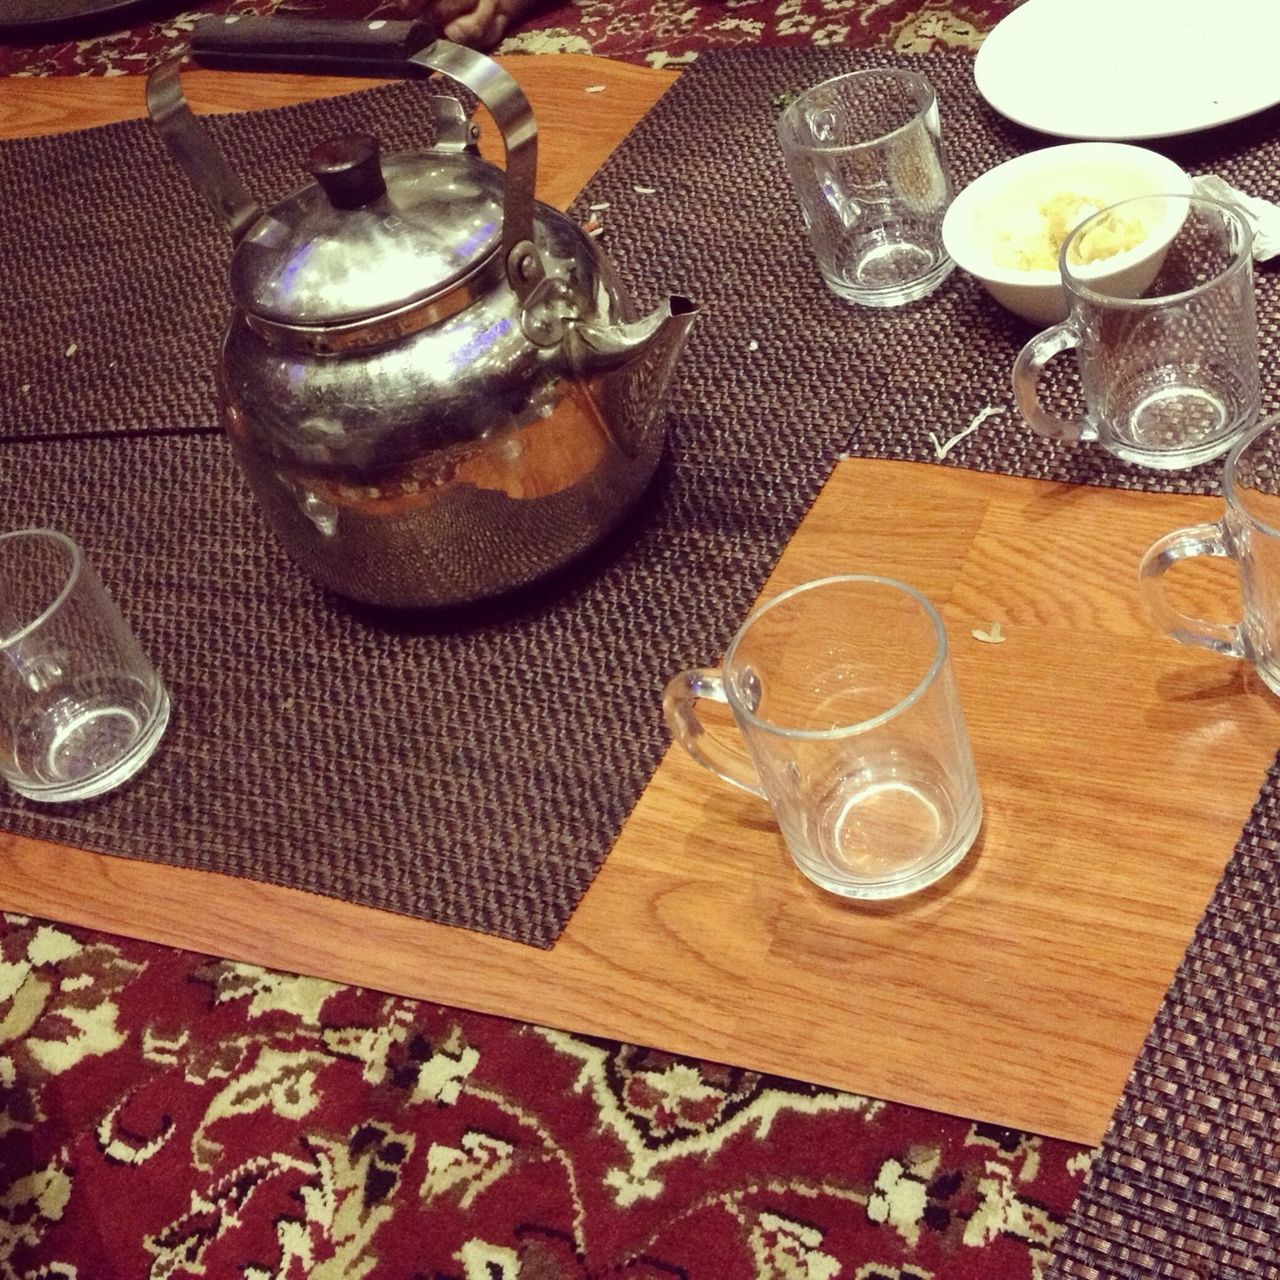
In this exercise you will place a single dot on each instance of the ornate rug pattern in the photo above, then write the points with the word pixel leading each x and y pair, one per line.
pixel 661 33
pixel 169 1116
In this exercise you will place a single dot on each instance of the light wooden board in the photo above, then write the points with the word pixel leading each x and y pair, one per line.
pixel 576 129
pixel 1117 768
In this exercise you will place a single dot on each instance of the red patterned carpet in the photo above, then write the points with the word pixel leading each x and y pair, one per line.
pixel 172 1116
pixel 659 32
pixel 169 1116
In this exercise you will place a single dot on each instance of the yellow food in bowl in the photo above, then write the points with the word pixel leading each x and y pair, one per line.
pixel 1035 246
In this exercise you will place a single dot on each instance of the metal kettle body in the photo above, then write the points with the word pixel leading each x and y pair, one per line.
pixel 432 441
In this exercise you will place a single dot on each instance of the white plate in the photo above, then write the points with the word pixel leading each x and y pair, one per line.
pixel 1131 69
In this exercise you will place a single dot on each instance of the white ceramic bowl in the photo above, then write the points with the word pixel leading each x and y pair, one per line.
pixel 1008 197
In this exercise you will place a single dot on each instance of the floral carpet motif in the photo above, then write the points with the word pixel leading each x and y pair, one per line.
pixel 662 33
pixel 170 1116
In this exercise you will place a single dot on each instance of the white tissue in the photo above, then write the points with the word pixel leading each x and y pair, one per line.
pixel 1262 214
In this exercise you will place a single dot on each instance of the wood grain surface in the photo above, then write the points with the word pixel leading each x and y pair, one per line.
pixel 576 129
pixel 1117 768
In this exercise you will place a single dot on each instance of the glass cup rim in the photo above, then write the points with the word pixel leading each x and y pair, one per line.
pixel 926 101
pixel 1231 489
pixel 75 567
pixel 861 726
pixel 1080 286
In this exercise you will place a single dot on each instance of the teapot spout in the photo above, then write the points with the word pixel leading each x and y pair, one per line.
pixel 628 369
pixel 661 333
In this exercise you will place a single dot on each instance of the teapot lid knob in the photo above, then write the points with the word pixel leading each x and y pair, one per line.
pixel 349 170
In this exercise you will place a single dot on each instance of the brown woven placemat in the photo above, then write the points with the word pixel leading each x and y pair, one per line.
pixel 474 769
pixel 114 272
pixel 723 224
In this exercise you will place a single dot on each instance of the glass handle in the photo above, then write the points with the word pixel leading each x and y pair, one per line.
pixel 1026 381
pixel 1183 544
pixel 679 709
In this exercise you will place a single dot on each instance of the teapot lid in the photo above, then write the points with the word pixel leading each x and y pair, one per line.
pixel 372 235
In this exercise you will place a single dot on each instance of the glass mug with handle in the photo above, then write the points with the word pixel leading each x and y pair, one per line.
pixel 1165 332
pixel 843 693
pixel 865 155
pixel 1248 532
pixel 81 707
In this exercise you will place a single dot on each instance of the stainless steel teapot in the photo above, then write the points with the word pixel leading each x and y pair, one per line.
pixel 435 385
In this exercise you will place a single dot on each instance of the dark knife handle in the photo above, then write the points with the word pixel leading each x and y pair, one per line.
pixel 311 46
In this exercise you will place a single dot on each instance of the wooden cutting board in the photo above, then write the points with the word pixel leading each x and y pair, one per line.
pixel 1117 767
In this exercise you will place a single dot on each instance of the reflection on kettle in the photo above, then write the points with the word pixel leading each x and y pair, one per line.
pixel 436 386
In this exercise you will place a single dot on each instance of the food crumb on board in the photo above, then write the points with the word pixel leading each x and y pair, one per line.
pixel 943 447
pixel 595 88
pixel 992 635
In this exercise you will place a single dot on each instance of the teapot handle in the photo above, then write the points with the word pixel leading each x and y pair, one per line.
pixel 318 46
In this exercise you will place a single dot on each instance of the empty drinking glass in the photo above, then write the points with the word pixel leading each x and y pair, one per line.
pixel 866 159
pixel 1248 532
pixel 81 709
pixel 843 693
pixel 1164 330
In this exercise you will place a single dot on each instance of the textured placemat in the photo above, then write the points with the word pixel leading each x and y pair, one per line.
pixel 475 769
pixel 459 769
pixel 114 272
pixel 723 223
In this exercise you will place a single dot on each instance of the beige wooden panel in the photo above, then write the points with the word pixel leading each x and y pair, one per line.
pixel 1117 767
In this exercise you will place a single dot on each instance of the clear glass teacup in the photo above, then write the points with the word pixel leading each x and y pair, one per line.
pixel 81 707
pixel 866 159
pixel 1164 331
pixel 843 693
